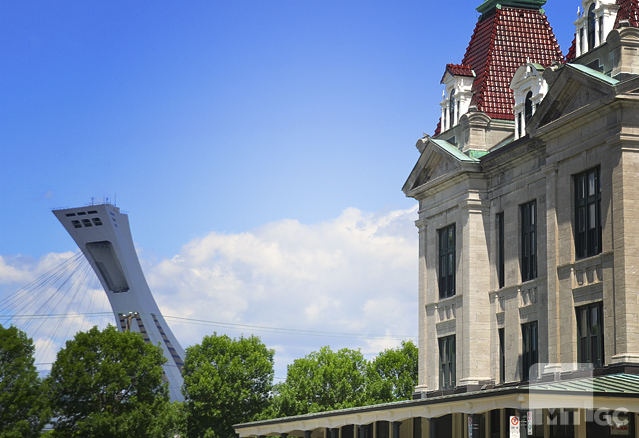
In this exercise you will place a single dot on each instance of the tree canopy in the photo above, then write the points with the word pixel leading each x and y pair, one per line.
pixel 226 381
pixel 392 375
pixel 23 404
pixel 326 380
pixel 323 380
pixel 108 383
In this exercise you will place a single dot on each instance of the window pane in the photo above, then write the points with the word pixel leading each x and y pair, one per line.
pixel 594 320
pixel 581 187
pixel 591 183
pixel 581 221
pixel 592 219
pixel 533 239
pixel 533 215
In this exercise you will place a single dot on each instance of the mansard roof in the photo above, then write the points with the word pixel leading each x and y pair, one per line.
pixel 572 52
pixel 628 10
pixel 504 39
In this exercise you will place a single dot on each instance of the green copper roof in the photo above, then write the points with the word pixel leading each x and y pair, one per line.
pixel 528 4
pixel 452 149
pixel 612 384
pixel 594 73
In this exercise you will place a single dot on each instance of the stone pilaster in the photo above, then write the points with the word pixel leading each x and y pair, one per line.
pixel 473 337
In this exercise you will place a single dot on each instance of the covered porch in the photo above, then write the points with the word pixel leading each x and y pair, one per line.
pixel 601 407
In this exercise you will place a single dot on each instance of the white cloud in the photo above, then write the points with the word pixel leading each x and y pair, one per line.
pixel 354 274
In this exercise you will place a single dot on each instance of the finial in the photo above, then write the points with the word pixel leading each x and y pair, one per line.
pixel 443 94
pixel 578 12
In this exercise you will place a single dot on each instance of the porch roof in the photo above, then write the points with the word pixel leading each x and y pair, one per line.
pixel 607 391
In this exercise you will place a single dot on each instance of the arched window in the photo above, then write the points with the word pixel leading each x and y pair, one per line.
pixel 591 26
pixel 528 108
pixel 451 108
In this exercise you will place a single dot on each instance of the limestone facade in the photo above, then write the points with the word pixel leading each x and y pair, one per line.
pixel 588 121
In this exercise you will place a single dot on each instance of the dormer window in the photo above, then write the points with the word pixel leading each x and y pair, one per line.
pixel 529 89
pixel 594 24
pixel 458 80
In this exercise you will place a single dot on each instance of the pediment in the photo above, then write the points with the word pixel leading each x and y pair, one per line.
pixel 438 159
pixel 574 88
pixel 435 167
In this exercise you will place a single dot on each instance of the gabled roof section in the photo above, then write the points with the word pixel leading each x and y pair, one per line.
pixel 452 150
pixel 628 10
pixel 595 74
pixel 575 87
pixel 438 158
pixel 458 70
pixel 505 38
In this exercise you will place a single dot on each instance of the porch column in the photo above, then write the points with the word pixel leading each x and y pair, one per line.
pixel 395 425
pixel 580 426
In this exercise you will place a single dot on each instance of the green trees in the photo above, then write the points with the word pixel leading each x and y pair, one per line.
pixel 327 380
pixel 23 404
pixel 323 380
pixel 107 383
pixel 226 381
pixel 392 376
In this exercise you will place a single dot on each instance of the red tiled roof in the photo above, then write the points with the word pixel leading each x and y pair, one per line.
pixel 572 52
pixel 459 70
pixel 628 10
pixel 438 130
pixel 504 39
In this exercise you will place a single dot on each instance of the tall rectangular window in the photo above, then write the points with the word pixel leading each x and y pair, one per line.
pixel 502 356
pixel 529 353
pixel 588 213
pixel 590 347
pixel 447 261
pixel 529 241
pixel 601 29
pixel 447 362
pixel 501 263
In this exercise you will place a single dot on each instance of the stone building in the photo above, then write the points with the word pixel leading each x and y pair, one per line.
pixel 528 239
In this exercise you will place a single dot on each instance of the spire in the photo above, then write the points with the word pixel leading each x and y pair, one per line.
pixel 488 5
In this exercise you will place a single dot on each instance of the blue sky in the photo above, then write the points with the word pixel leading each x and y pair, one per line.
pixel 233 121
